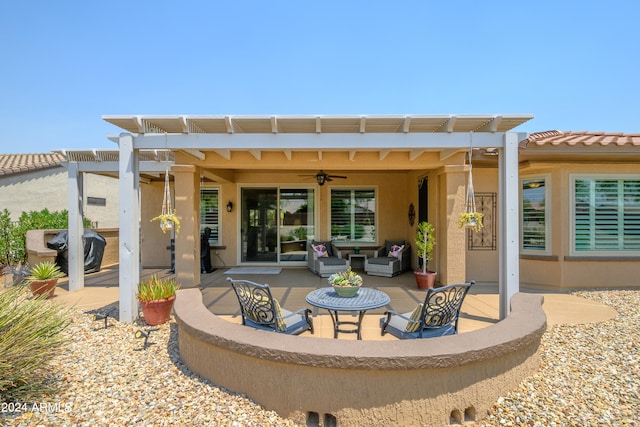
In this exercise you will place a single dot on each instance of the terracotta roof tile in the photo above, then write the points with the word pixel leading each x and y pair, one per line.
pixel 555 137
pixel 15 163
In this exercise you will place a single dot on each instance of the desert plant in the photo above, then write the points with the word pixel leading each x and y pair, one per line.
pixel 155 289
pixel 30 336
pixel 45 270
pixel 346 278
pixel 425 241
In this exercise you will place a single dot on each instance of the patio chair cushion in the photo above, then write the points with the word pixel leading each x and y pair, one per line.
pixel 281 324
pixel 382 260
pixel 415 315
pixel 334 261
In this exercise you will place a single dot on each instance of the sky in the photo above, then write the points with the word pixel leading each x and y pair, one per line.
pixel 574 65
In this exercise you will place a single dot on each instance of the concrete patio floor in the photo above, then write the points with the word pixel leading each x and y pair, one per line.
pixel 291 285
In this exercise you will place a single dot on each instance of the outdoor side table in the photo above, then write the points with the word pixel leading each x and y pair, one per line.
pixel 361 259
pixel 365 299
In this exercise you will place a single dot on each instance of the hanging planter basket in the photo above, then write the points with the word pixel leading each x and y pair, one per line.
pixel 471 218
pixel 168 219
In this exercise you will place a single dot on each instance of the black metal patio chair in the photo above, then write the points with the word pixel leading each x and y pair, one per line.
pixel 261 311
pixel 436 317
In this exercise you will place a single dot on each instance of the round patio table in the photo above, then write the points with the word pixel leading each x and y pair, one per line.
pixel 365 299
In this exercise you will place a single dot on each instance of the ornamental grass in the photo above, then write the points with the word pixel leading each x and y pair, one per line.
pixel 30 336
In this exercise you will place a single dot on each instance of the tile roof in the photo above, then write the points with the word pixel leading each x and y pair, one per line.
pixel 555 138
pixel 15 163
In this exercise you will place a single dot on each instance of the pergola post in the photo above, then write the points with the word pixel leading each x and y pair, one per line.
pixel 508 207
pixel 187 203
pixel 129 235
pixel 75 227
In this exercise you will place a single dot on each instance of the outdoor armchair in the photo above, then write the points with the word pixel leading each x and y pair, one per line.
pixel 389 260
pixel 436 317
pixel 324 259
pixel 261 311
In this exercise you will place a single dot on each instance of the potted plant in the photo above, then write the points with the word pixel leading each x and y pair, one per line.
pixel 471 220
pixel 43 278
pixel 346 283
pixel 156 298
pixel 425 241
pixel 167 221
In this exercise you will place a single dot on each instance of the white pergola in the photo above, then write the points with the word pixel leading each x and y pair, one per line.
pixel 146 139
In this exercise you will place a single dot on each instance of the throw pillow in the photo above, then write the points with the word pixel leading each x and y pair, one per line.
pixel 321 250
pixel 389 243
pixel 415 315
pixel 395 251
pixel 281 324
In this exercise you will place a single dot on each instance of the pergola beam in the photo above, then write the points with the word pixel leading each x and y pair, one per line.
pixel 326 141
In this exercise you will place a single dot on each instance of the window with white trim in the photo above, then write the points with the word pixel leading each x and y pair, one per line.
pixel 353 215
pixel 210 213
pixel 534 213
pixel 606 214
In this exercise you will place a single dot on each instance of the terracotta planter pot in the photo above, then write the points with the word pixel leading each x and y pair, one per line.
pixel 425 280
pixel 158 311
pixel 43 287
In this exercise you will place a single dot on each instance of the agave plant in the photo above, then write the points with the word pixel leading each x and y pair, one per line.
pixel 46 270
pixel 155 288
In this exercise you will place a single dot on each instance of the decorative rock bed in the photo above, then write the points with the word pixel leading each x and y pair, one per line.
pixel 435 381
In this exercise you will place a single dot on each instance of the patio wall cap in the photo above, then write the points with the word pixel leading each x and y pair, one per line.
pixel 525 326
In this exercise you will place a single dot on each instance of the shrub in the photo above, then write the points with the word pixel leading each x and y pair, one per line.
pixel 30 336
pixel 13 247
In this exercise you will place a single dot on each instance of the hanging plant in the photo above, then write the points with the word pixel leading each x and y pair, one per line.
pixel 167 221
pixel 167 218
pixel 471 218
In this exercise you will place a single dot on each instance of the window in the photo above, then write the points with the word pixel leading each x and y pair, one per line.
pixel 534 212
pixel 606 214
pixel 210 213
pixel 353 215
pixel 96 201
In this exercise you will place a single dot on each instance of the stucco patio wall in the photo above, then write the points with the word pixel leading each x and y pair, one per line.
pixel 436 381
pixel 36 242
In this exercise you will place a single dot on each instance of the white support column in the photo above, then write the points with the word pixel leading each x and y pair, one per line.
pixel 75 227
pixel 509 250
pixel 129 235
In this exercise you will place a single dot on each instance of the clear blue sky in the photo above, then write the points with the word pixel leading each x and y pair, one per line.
pixel 575 65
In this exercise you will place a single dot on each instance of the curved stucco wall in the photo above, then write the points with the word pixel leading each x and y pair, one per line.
pixel 435 381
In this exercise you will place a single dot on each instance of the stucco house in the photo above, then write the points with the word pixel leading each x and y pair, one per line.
pixel 262 182
pixel 32 182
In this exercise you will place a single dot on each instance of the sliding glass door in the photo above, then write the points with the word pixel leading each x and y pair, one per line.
pixel 296 223
pixel 276 224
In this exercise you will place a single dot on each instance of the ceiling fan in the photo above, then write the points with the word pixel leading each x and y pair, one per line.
pixel 322 177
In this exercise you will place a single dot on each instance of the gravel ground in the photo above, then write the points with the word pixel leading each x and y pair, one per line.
pixel 590 373
pixel 590 376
